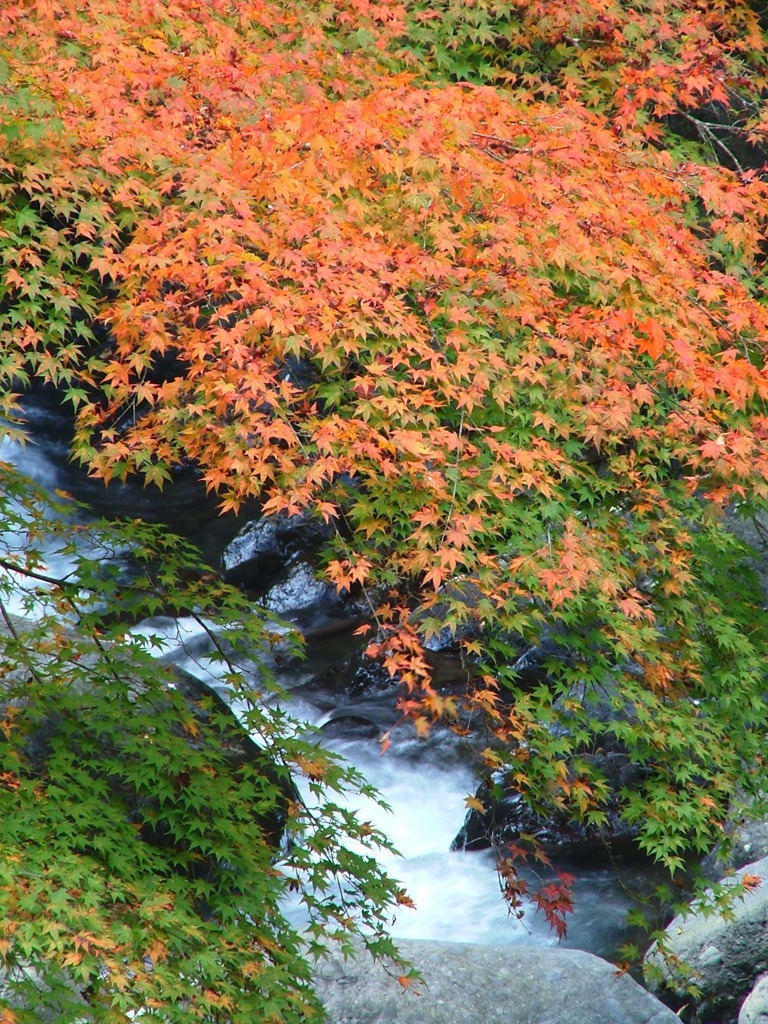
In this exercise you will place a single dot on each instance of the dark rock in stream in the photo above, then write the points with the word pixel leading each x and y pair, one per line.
pixel 366 706
pixel 532 664
pixel 298 589
pixel 354 697
pixel 265 547
pixel 507 817
pixel 274 558
pixel 367 677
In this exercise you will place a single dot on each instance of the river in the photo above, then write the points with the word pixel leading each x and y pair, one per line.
pixel 425 782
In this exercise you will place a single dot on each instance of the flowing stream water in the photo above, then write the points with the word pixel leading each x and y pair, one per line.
pixel 425 782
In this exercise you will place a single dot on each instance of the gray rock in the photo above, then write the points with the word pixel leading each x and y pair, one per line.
pixel 487 985
pixel 264 547
pixel 753 530
pixel 755 1008
pixel 727 956
pixel 299 589
pixel 750 843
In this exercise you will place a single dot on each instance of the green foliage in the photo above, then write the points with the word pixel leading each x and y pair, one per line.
pixel 691 717
pixel 142 865
pixel 689 76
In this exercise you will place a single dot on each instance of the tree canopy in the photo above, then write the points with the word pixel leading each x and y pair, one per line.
pixel 479 283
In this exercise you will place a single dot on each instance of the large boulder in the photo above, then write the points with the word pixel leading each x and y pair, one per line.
pixel 722 956
pixel 755 1007
pixel 487 985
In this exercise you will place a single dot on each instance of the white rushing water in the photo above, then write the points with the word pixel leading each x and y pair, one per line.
pixel 33 462
pixel 456 893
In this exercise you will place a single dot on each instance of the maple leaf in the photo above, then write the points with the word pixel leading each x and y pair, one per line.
pixel 408 984
pixel 653 339
pixel 715 448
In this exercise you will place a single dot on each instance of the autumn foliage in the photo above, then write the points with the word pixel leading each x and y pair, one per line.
pixel 480 284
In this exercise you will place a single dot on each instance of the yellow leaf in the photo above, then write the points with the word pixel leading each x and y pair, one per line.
pixel 153 45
